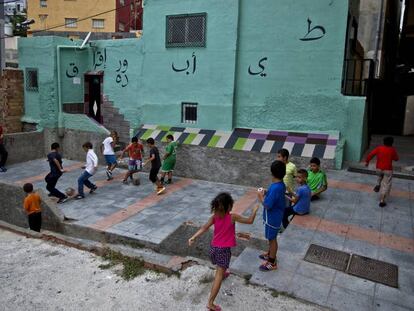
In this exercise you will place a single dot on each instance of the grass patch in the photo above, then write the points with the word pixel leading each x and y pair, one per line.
pixel 132 267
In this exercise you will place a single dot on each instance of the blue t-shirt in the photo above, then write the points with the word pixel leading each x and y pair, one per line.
pixel 54 170
pixel 302 206
pixel 274 205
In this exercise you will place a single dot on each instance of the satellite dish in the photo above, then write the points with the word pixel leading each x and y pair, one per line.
pixel 86 40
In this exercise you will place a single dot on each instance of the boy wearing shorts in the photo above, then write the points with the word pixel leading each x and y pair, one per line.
pixel 107 149
pixel 135 152
pixel 273 201
pixel 169 159
pixel 31 205
pixel 155 160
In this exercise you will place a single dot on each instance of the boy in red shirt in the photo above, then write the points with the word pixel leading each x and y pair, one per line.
pixel 385 155
pixel 135 152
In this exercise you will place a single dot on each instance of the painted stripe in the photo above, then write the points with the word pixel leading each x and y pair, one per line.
pixel 222 142
pixel 308 150
pixel 190 138
pixel 149 126
pixel 240 143
pixel 245 202
pixel 163 128
pixel 197 140
pixel 177 129
pixel 354 232
pixel 147 134
pixel 267 146
pixel 249 144
pixel 289 146
pixel 297 150
pixel 277 146
pixel 161 135
pixel 155 133
pixel 182 138
pixel 123 214
pixel 42 176
pixel 329 152
pixel 258 145
pixel 319 151
pixel 231 141
pixel 191 130
pixel 213 142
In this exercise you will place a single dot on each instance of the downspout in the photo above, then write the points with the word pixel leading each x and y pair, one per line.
pixel 61 132
pixel 378 37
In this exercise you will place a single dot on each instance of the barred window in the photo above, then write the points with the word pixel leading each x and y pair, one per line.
pixel 71 22
pixel 31 79
pixel 187 30
pixel 43 3
pixel 189 113
pixel 98 23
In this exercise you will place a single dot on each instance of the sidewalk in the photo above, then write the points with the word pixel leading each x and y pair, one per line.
pixel 347 218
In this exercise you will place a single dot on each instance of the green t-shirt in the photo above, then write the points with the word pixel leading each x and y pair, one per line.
pixel 316 180
pixel 171 150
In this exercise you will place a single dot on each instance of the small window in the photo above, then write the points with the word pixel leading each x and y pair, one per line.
pixel 31 80
pixel 42 17
pixel 98 23
pixel 122 2
pixel 71 22
pixel 189 113
pixel 186 30
pixel 43 3
pixel 121 26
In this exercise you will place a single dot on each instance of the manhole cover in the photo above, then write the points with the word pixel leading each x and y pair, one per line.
pixel 374 270
pixel 327 257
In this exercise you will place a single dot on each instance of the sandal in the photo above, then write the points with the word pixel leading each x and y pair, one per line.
pixel 226 274
pixel 268 266
pixel 216 308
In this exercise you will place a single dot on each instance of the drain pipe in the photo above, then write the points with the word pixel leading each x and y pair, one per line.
pixel 378 37
pixel 61 131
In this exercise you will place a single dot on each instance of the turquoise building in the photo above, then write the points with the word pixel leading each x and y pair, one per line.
pixel 225 67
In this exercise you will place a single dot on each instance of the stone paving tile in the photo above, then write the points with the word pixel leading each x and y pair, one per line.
pixel 361 248
pixel 383 305
pixel 316 272
pixel 309 289
pixel 394 295
pixel 348 300
pixel 279 280
pixel 328 240
pixel 247 262
pixel 354 283
pixel 403 260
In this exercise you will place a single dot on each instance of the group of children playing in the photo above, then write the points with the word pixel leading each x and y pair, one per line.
pixel 279 201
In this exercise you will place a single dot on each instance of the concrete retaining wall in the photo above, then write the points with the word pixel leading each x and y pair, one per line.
pixel 11 210
pixel 23 147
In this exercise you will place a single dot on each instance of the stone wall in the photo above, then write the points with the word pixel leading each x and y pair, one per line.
pixel 11 100
pixel 24 146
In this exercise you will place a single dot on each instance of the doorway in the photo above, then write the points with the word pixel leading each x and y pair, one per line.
pixel 93 96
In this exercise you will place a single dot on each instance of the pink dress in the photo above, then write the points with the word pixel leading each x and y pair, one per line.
pixel 224 238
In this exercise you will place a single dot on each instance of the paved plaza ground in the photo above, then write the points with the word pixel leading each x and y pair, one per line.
pixel 346 218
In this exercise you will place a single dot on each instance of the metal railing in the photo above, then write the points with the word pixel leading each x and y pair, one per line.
pixel 357 76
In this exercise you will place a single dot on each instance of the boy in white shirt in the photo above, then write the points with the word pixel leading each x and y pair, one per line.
pixel 90 169
pixel 107 149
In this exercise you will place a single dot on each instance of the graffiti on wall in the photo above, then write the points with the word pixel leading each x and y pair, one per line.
pixel 187 69
pixel 99 59
pixel 260 71
pixel 314 33
pixel 121 77
pixel 72 71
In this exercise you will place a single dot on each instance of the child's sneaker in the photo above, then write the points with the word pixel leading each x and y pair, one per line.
pixel 264 256
pixel 62 200
pixel 268 266
pixel 79 197
pixel 93 189
pixel 377 188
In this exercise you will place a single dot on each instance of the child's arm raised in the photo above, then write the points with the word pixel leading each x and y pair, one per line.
pixel 245 220
pixel 203 229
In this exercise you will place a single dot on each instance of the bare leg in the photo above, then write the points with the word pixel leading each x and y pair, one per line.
pixel 273 249
pixel 216 287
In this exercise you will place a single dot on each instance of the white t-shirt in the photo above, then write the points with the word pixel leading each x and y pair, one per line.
pixel 108 150
pixel 91 162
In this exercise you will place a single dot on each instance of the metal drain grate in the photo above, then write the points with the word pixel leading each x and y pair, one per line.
pixel 327 257
pixel 374 270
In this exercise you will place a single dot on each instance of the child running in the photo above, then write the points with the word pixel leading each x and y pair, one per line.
pixel 56 170
pixel 107 149
pixel 135 152
pixel 301 199
pixel 224 239
pixel 90 169
pixel 385 155
pixel 154 158
pixel 273 201
pixel 32 204
pixel 169 159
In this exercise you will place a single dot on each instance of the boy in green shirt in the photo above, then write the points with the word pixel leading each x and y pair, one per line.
pixel 317 180
pixel 169 159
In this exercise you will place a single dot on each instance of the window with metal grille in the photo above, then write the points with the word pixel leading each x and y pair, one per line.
pixel 43 3
pixel 98 23
pixel 189 113
pixel 71 22
pixel 187 30
pixel 31 79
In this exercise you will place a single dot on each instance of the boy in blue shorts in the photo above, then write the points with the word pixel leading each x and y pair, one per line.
pixel 301 199
pixel 107 149
pixel 273 201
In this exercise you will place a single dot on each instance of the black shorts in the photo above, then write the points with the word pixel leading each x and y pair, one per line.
pixel 153 175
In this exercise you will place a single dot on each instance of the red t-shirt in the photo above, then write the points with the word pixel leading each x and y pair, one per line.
pixel 385 155
pixel 135 151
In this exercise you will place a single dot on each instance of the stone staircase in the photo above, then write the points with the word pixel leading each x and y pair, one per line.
pixel 114 120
